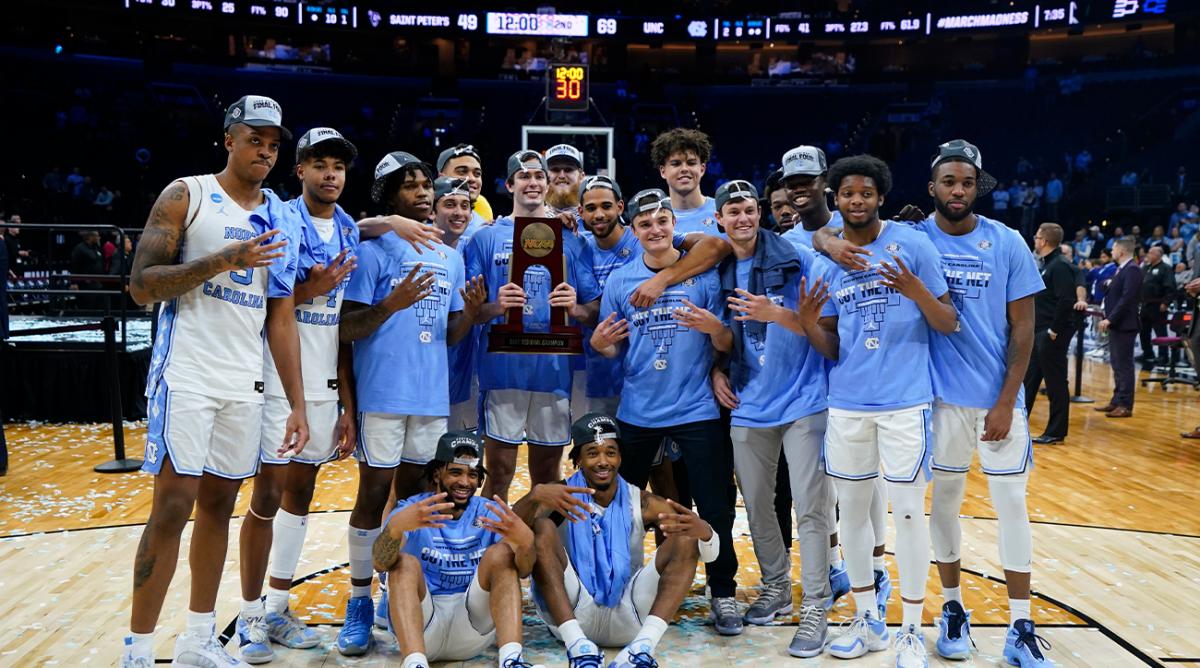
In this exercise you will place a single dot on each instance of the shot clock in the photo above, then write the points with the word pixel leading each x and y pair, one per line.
pixel 567 88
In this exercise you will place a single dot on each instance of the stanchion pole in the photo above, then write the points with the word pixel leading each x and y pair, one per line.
pixel 120 463
pixel 1077 397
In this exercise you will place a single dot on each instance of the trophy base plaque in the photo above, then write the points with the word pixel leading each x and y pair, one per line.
pixel 535 343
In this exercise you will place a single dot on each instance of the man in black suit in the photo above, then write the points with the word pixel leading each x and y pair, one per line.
pixel 1122 324
pixel 1053 325
pixel 1158 286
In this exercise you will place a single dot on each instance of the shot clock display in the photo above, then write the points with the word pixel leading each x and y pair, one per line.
pixel 567 88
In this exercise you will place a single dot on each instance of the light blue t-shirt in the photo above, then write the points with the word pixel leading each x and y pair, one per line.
pixel 412 342
pixel 488 255
pixel 883 357
pixel 701 219
pixel 985 270
pixel 449 556
pixel 787 379
pixel 666 364
pixel 604 375
pixel 802 237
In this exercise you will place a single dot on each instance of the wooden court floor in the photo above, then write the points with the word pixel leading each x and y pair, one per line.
pixel 1116 541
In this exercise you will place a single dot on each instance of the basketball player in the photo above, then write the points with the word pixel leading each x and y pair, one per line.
pixel 590 581
pixel 875 323
pixel 327 243
pixel 779 203
pixel 601 208
pixel 681 156
pixel 208 253
pixel 666 392
pixel 526 397
pixel 463 161
pixel 776 390
pixel 402 311
pixel 455 562
pixel 453 216
pixel 804 180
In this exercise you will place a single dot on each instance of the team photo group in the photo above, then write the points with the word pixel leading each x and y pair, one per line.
pixel 772 341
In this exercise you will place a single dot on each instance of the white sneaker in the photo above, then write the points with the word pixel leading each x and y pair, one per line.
pixel 865 634
pixel 193 651
pixel 128 660
pixel 910 649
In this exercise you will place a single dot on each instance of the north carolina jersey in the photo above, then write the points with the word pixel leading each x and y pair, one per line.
pixel 320 242
pixel 488 254
pixel 798 236
pixel 985 269
pixel 210 339
pixel 666 364
pixel 701 219
pixel 402 368
pixel 450 555
pixel 883 355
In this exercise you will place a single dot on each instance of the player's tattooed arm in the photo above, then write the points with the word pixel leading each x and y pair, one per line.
pixel 156 277
pixel 360 320
pixel 428 513
pixel 386 551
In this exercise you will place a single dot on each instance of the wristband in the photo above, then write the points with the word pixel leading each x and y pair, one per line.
pixel 709 549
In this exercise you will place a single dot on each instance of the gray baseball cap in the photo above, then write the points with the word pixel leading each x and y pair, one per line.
pixel 650 199
pixel 807 160
pixel 391 163
pixel 257 111
pixel 564 152
pixel 454 152
pixel 337 144
pixel 964 151
pixel 520 161
pixel 599 181
pixel 444 186
pixel 734 190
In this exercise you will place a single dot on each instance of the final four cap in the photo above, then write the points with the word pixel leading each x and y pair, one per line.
pixel 337 144
pixel 457 151
pixel 451 445
pixel 599 181
pixel 525 159
pixel 444 186
pixel 257 111
pixel 964 151
pixel 734 190
pixel 807 160
pixel 391 163
pixel 593 428
pixel 651 199
pixel 564 152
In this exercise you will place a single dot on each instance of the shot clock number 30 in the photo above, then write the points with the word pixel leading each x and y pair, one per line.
pixel 567 88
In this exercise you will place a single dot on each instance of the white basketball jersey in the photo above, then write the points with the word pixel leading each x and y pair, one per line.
pixel 317 322
pixel 210 339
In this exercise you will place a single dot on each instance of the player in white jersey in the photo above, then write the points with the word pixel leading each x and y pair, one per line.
pixel 206 253
pixel 592 584
pixel 283 489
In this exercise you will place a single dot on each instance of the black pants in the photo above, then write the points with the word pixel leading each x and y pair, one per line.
pixel 709 462
pixel 1120 356
pixel 1153 320
pixel 1049 362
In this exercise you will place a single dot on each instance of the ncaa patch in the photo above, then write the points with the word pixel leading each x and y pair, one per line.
pixel 216 198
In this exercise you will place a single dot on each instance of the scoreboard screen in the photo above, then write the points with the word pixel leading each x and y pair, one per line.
pixel 567 88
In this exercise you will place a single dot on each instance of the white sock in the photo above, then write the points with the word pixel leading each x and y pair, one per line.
pixel 277 599
pixel 835 557
pixel 251 609
pixel 361 543
pixel 140 644
pixel 912 616
pixel 864 602
pixel 415 660
pixel 202 624
pixel 652 632
pixel 510 650
pixel 571 632
pixel 288 541
pixel 952 594
pixel 1019 608
pixel 877 563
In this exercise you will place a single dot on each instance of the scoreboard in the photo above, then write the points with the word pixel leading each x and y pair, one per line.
pixel 567 88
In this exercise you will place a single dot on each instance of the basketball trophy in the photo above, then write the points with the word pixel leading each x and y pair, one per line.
pixel 537 241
